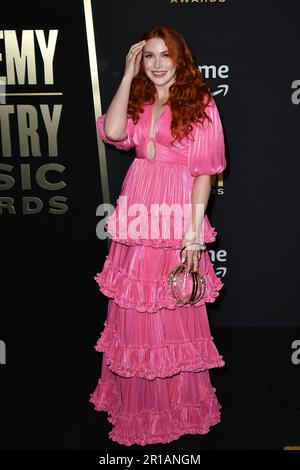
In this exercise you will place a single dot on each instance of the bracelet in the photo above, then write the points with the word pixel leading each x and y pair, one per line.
pixel 202 247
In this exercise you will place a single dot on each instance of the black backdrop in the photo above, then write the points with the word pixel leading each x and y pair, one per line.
pixel 248 52
pixel 51 309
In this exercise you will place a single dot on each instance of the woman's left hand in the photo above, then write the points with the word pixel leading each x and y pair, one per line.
pixel 190 256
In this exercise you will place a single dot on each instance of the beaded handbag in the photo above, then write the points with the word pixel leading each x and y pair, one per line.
pixel 181 281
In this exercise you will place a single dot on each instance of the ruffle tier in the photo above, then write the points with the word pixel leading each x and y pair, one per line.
pixel 160 345
pixel 142 192
pixel 160 411
pixel 138 277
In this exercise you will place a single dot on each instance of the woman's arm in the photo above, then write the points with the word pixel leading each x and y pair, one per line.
pixel 115 125
pixel 116 116
pixel 206 158
pixel 200 197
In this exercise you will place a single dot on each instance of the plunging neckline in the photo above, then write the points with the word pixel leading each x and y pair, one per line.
pixel 150 147
pixel 164 106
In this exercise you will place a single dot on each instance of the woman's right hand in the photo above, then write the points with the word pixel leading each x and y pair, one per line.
pixel 133 60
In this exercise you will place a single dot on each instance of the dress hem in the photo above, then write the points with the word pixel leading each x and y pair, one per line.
pixel 164 426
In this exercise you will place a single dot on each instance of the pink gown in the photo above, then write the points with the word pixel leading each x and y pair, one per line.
pixel 155 383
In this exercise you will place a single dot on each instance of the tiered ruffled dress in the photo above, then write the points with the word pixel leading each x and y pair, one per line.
pixel 155 383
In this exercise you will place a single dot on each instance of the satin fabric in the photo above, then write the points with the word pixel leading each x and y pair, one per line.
pixel 154 382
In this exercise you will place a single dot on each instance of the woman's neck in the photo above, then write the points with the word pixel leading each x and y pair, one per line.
pixel 161 99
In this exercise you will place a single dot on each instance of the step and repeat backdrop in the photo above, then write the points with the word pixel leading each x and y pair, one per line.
pixel 60 66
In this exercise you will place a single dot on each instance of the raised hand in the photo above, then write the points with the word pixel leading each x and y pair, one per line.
pixel 133 60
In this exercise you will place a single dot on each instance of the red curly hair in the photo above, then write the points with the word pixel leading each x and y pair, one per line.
pixel 186 95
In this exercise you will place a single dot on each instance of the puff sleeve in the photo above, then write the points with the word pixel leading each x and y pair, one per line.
pixel 207 151
pixel 125 144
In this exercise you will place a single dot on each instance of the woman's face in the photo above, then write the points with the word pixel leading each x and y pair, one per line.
pixel 156 59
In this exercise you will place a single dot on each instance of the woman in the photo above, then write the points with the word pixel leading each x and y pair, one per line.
pixel 155 382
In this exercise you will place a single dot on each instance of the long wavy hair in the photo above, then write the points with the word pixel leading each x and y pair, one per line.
pixel 186 95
